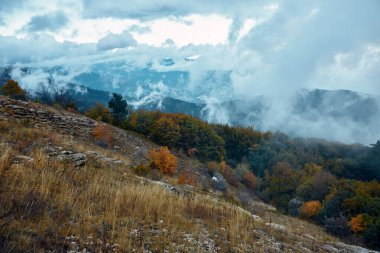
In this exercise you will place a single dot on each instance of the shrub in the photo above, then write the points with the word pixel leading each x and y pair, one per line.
pixel 228 174
pixel 337 226
pixel 103 133
pixel 186 177
pixel 141 170
pixel 100 113
pixel 357 224
pixel 163 160
pixel 250 180
pixel 13 90
pixel 311 208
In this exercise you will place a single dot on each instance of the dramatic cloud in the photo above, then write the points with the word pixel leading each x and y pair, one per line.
pixel 49 22
pixel 251 48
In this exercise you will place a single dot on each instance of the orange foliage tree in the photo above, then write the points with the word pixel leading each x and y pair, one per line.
pixel 103 133
pixel 357 224
pixel 311 208
pixel 163 160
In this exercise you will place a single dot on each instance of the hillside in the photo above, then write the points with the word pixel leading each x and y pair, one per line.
pixel 63 189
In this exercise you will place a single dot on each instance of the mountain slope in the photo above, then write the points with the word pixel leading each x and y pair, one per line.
pixel 61 191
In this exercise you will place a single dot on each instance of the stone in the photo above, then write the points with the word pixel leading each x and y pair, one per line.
pixel 22 159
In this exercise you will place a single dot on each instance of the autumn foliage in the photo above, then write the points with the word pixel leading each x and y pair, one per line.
pixel 357 224
pixel 186 177
pixel 13 90
pixel 103 133
pixel 228 174
pixel 250 180
pixel 163 160
pixel 311 208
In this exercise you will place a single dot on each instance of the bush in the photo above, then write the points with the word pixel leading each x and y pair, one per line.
pixel 100 113
pixel 357 224
pixel 228 174
pixel 163 160
pixel 13 90
pixel 103 133
pixel 311 208
pixel 141 170
pixel 250 180
pixel 186 177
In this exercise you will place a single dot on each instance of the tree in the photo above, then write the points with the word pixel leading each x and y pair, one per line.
pixel 281 184
pixel 13 90
pixel 118 106
pixel 100 113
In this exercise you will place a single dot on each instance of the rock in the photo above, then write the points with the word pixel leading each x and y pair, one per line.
pixel 307 236
pixel 220 183
pixel 330 248
pixel 79 159
pixel 257 218
pixel 276 226
pixel 294 205
pixel 103 158
pixel 22 159
pixel 352 248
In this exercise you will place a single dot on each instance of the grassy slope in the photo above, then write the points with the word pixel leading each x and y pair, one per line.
pixel 49 204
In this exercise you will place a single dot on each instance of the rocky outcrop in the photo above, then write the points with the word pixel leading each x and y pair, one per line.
pixel 79 159
pixel 45 118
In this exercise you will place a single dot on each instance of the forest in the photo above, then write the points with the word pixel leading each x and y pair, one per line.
pixel 332 184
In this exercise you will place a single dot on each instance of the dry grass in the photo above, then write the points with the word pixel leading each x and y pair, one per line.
pixel 44 202
pixel 47 204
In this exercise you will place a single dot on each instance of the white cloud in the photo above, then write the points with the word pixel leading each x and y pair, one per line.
pixel 112 41
pixel 193 29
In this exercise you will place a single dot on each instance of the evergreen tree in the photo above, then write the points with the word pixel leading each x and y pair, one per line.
pixel 118 107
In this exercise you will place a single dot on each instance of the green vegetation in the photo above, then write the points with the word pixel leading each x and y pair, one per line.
pixel 336 182
pixel 118 107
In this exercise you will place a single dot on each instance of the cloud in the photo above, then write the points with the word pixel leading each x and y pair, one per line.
pixel 270 48
pixel 111 41
pixel 37 49
pixel 49 22
pixel 7 6
pixel 144 9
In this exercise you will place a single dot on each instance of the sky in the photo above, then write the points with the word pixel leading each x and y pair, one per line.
pixel 273 48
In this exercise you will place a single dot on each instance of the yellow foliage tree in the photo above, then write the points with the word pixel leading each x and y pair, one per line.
pixel 311 208
pixel 357 224
pixel 163 160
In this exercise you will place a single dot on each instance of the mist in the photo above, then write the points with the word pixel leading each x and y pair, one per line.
pixel 253 65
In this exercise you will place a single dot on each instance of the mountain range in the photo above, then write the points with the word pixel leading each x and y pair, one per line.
pixel 351 116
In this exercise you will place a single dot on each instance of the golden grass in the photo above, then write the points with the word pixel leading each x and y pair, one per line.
pixel 48 204
pixel 44 202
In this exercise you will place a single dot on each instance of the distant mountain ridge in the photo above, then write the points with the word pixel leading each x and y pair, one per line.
pixel 357 114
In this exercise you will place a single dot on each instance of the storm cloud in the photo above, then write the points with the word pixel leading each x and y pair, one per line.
pixel 275 49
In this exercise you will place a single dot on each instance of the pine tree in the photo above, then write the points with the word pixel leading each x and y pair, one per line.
pixel 118 106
